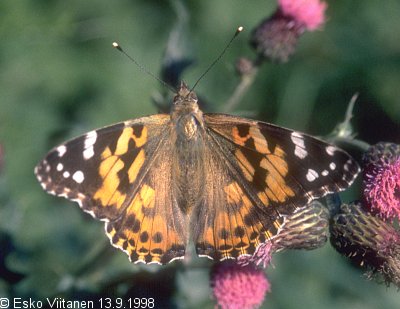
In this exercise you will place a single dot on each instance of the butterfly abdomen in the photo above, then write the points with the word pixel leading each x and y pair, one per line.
pixel 188 167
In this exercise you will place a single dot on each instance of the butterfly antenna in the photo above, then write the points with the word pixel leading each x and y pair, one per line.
pixel 142 68
pixel 238 30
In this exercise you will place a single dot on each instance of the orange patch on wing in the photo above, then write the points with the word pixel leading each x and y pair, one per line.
pixel 106 153
pixel 147 195
pixel 246 167
pixel 137 245
pixel 136 166
pixel 238 231
pixel 128 133
pixel 154 238
pixel 255 226
pixel 160 237
pixel 279 151
pixel 233 193
pixel 271 195
pixel 277 159
pixel 240 242
pixel 108 193
pixel 143 243
pixel 123 141
pixel 142 139
pixel 260 143
pixel 208 236
pixel 280 164
pixel 223 233
pixel 276 190
pixel 117 199
pixel 240 140
pixel 109 164
pixel 275 182
pixel 263 198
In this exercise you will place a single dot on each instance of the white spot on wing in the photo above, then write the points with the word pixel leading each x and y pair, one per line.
pixel 78 177
pixel 298 140
pixel 88 153
pixel 90 140
pixel 324 173
pixel 330 150
pixel 300 152
pixel 46 166
pixel 311 175
pixel 61 150
pixel 60 167
pixel 347 165
pixel 332 166
pixel 66 174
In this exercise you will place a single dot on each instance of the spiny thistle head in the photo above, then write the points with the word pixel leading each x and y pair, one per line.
pixel 307 229
pixel 368 241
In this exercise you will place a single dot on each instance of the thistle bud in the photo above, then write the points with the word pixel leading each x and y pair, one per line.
pixel 368 241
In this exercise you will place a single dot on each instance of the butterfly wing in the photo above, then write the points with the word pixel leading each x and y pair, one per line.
pixel 152 228
pixel 230 221
pixel 113 173
pixel 266 172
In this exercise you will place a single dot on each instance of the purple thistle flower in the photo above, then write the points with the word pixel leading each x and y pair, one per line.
pixel 275 38
pixel 235 286
pixel 310 13
pixel 382 180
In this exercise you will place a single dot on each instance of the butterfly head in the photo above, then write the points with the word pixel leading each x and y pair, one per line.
pixel 185 98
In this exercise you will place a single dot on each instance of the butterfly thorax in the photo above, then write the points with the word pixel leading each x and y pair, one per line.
pixel 186 116
pixel 188 133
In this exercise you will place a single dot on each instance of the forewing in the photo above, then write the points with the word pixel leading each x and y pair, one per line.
pixel 289 167
pixel 100 169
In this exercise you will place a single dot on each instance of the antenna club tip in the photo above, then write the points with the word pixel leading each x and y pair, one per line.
pixel 116 45
pixel 240 29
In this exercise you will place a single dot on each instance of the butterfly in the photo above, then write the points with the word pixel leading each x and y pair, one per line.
pixel 224 183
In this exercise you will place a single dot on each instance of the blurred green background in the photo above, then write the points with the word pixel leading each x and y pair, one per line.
pixel 60 78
